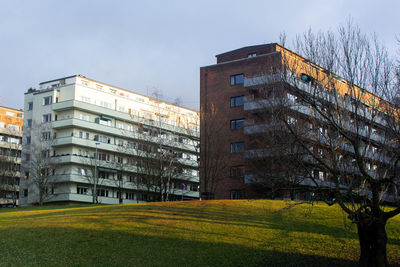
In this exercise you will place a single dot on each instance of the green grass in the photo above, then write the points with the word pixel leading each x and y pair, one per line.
pixel 196 233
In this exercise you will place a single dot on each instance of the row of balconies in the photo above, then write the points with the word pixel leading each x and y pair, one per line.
pixel 82 124
pixel 295 82
pixel 69 141
pixel 10 132
pixel 257 129
pixel 345 167
pixel 82 160
pixel 74 104
pixel 74 178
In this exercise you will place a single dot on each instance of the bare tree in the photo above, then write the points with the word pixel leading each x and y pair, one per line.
pixel 213 164
pixel 346 138
pixel 91 173
pixel 39 164
pixel 158 154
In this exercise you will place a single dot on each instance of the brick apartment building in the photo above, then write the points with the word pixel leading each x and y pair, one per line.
pixel 223 93
pixel 236 98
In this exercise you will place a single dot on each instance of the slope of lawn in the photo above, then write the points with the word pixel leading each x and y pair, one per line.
pixel 195 233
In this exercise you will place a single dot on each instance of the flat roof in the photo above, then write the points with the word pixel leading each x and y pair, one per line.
pixel 152 98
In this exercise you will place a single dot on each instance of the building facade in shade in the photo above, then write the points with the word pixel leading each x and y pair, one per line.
pixel 240 98
pixel 11 121
pixel 87 141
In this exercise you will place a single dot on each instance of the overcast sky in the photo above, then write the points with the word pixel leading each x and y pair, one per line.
pixel 142 45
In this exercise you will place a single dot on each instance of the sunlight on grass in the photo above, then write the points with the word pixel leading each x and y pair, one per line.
pixel 216 233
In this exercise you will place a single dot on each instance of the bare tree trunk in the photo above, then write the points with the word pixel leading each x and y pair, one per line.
pixel 373 240
pixel 40 197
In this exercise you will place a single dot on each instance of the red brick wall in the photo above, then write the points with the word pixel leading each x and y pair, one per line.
pixel 216 91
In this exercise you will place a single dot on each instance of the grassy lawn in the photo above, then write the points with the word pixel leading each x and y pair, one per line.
pixel 195 233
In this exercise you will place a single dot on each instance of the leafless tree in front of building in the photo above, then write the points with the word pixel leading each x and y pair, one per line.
pixel 337 106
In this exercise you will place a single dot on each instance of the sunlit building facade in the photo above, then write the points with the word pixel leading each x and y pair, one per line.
pixel 94 130
pixel 11 121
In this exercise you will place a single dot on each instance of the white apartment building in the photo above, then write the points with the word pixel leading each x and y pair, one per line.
pixel 83 138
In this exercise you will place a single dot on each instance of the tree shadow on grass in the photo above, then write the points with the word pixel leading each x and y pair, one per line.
pixel 204 213
pixel 82 247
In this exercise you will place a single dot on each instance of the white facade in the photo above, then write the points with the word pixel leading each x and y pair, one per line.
pixel 67 119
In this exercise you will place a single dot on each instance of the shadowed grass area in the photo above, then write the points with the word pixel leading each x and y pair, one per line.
pixel 196 233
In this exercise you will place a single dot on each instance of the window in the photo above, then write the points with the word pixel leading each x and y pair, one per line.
pixel 291 98
pixel 237 101
pixel 46 153
pixel 307 78
pixel 102 193
pixel 131 179
pixel 291 121
pixel 103 122
pixel 322 131
pixel 8 113
pixel 102 138
pixel 25 192
pixel 30 105
pixel 237 171
pixel 120 126
pixel 105 157
pixel 368 166
pixel 319 175
pixel 82 171
pixel 237 124
pixel 13 127
pixel 26 176
pixel 237 79
pixel 130 196
pixel 131 144
pixel 105 104
pixel 2 125
pixel 120 160
pixel 29 121
pixel 46 117
pixel 237 147
pixel 194 128
pixel 46 136
pixel 47 100
pixel 251 54
pixel 27 157
pixel 28 140
pixel 84 117
pixel 85 99
pixel 19 115
pixel 237 194
pixel 81 190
